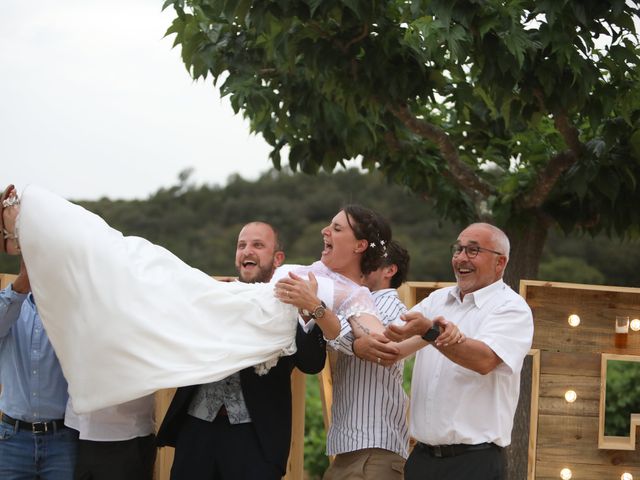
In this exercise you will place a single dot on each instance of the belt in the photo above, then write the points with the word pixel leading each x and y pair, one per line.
pixel 442 451
pixel 36 427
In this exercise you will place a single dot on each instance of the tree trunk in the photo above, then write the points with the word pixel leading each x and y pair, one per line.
pixel 527 244
pixel 526 249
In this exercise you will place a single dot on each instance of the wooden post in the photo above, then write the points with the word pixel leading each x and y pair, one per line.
pixel 295 464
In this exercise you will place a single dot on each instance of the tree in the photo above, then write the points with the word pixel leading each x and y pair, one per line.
pixel 520 112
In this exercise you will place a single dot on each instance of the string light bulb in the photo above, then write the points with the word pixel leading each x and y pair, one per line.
pixel 574 320
pixel 570 396
pixel 635 324
pixel 566 474
pixel 626 476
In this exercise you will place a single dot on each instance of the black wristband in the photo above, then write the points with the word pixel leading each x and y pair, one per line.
pixel 431 334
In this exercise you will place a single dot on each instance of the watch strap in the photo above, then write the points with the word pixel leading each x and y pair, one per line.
pixel 431 334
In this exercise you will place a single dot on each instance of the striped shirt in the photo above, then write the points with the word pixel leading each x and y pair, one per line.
pixel 369 404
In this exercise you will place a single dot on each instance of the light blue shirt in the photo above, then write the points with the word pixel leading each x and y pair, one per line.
pixel 33 387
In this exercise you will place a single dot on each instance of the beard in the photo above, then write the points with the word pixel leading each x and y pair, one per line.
pixel 260 274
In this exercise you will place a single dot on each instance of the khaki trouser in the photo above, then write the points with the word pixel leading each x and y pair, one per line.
pixel 366 464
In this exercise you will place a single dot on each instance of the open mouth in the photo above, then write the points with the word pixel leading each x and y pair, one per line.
pixel 464 270
pixel 249 264
pixel 327 248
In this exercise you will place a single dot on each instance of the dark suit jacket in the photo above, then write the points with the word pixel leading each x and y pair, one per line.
pixel 268 398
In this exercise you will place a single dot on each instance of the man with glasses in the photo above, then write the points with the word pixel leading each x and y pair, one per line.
pixel 464 394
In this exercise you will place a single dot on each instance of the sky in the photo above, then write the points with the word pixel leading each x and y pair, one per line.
pixel 95 102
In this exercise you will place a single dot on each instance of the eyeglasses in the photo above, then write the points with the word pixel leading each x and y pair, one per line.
pixel 472 251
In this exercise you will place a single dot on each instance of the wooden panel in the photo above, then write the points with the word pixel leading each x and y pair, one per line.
pixel 412 293
pixel 567 433
pixel 533 413
pixel 597 308
pixel 563 371
pixel 628 441
pixel 551 471
pixel 553 388
pixel 164 459
pixel 295 463
pixel 573 439
pixel 585 364
pixel 6 279
pixel 326 390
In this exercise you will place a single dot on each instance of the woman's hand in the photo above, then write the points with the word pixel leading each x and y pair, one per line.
pixel 376 348
pixel 303 294
pixel 298 292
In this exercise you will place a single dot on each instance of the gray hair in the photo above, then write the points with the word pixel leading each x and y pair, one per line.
pixel 498 237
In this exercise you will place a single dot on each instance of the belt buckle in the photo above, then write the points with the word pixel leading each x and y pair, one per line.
pixel 35 427
pixel 437 451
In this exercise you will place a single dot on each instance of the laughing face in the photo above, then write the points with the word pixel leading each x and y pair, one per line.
pixel 485 268
pixel 342 250
pixel 256 254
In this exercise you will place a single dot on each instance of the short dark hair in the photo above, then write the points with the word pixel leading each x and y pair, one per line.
pixel 279 246
pixel 397 255
pixel 372 227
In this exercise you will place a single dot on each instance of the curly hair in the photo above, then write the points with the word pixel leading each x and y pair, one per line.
pixel 372 227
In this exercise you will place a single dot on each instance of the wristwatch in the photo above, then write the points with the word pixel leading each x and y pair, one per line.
pixel 431 334
pixel 319 311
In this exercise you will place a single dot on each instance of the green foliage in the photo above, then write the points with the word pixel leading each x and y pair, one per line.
pixel 408 374
pixel 200 224
pixel 623 397
pixel 573 270
pixel 315 460
pixel 524 112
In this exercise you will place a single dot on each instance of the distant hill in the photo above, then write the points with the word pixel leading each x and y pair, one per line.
pixel 200 224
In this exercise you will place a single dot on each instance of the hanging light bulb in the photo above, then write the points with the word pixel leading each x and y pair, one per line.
pixel 574 320
pixel 626 476
pixel 635 324
pixel 565 474
pixel 570 396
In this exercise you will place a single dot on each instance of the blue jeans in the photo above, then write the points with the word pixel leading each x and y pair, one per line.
pixel 43 456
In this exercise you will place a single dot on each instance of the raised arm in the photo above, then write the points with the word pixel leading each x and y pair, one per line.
pixel 11 299
pixel 303 294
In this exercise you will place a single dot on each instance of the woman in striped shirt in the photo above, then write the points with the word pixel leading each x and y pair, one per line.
pixel 369 434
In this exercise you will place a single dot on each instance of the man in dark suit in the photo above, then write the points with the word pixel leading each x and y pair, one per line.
pixel 239 428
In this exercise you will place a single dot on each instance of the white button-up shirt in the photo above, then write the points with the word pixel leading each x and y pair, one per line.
pixel 121 422
pixel 451 404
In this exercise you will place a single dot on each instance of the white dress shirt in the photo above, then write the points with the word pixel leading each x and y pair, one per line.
pixel 451 404
pixel 122 422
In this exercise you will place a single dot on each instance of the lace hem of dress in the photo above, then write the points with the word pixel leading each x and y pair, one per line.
pixel 264 367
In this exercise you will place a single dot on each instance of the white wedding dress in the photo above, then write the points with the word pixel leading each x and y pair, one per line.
pixel 127 317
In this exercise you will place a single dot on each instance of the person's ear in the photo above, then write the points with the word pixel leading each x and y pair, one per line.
pixel 390 270
pixel 501 264
pixel 361 246
pixel 278 258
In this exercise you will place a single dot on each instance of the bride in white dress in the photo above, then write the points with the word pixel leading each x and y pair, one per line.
pixel 126 317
